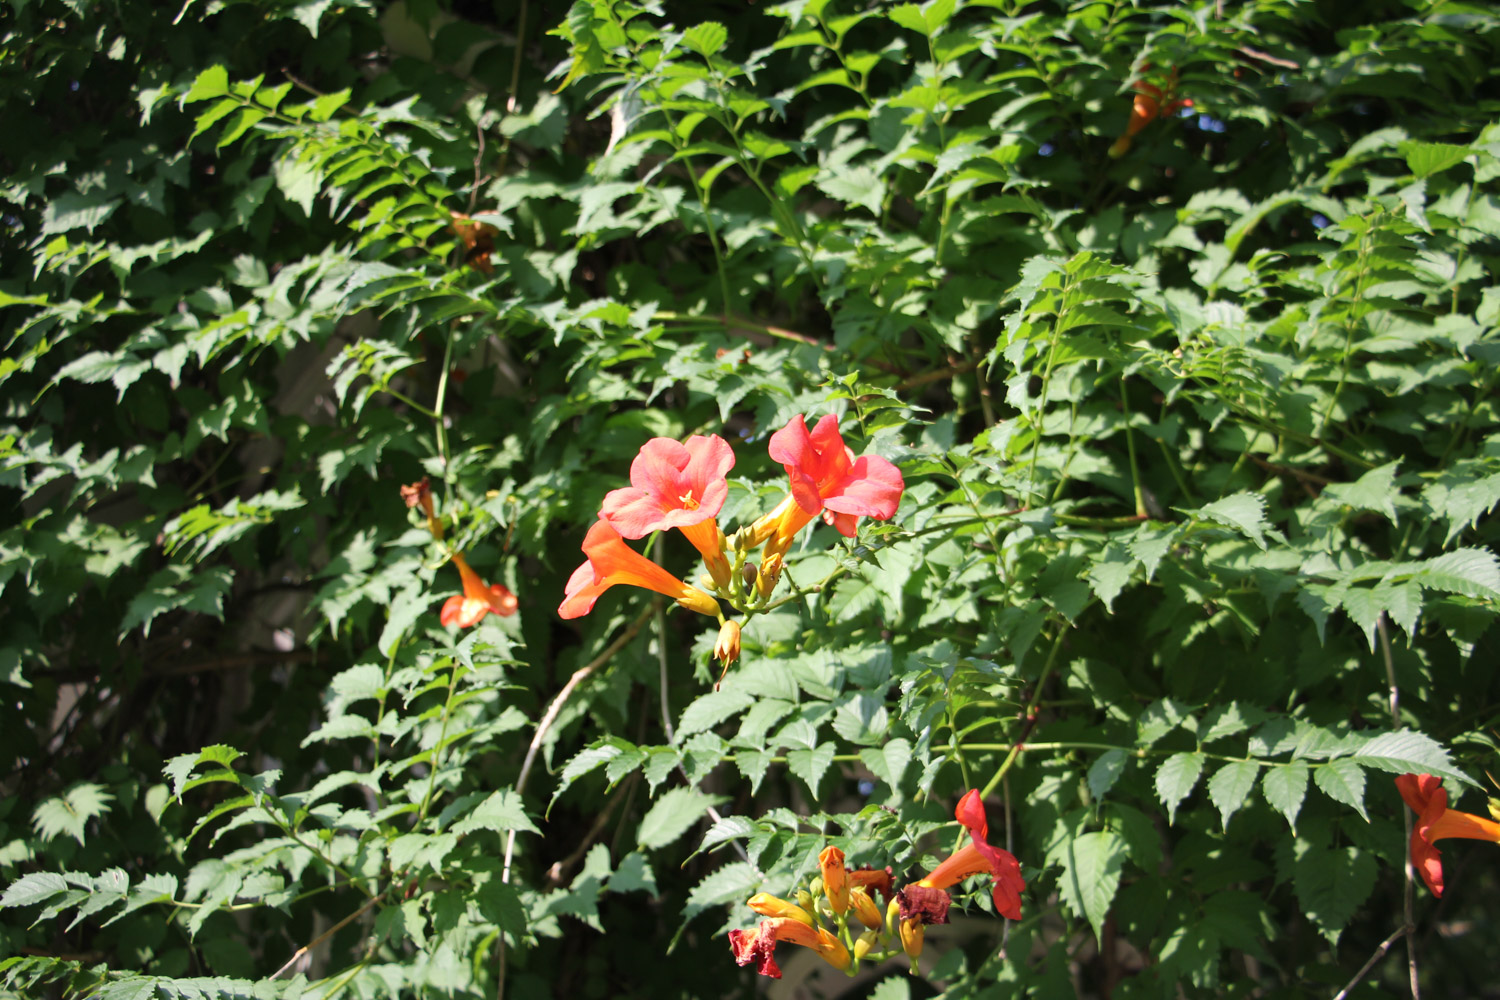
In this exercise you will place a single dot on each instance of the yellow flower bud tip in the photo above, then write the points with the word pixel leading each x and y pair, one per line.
pixel 805 899
pixel 865 908
pixel 863 944
pixel 912 934
pixel 768 905
pixel 706 581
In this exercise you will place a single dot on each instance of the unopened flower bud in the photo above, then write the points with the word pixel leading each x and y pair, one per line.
pixel 912 934
pixel 865 908
pixel 706 581
pixel 805 899
pixel 727 648
pixel 749 573
pixel 835 879
pixel 768 905
pixel 770 572
pixel 864 943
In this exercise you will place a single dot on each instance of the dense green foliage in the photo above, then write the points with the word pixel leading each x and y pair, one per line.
pixel 1199 442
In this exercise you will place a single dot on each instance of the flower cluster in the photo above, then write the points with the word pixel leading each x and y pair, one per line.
pixel 1426 796
pixel 1150 103
pixel 900 925
pixel 478 598
pixel 683 485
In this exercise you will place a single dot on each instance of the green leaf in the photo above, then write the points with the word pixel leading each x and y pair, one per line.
pixel 671 816
pixel 502 811
pixel 1343 781
pixel 706 39
pixel 178 768
pixel 710 709
pixel 1331 884
pixel 1159 719
pixel 1109 572
pixel 212 82
pixel 1104 772
pixel 897 987
pixel 1409 752
pixel 1243 511
pixel 811 765
pixel 1092 876
pixel 37 887
pixel 1176 778
pixel 1471 572
pixel 500 904
pixel 888 763
pixel 725 829
pixel 854 185
pixel 70 812
pixel 582 763
pixel 1284 786
pixel 633 875
pixel 1229 720
pixel 1230 787
pixel 1427 158
pixel 1374 490
pixel 71 210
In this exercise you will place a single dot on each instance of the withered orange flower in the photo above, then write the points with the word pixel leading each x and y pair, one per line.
pixel 478 239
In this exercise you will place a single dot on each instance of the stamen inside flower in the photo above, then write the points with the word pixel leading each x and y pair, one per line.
pixel 687 501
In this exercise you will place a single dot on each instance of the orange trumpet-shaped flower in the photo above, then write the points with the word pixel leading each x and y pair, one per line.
pixel 477 600
pixel 610 562
pixel 825 476
pixel 1427 797
pixel 826 479
pixel 759 945
pixel 1148 105
pixel 978 857
pixel 677 485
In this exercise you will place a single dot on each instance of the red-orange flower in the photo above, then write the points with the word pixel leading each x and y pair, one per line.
pixel 1427 797
pixel 979 856
pixel 419 494
pixel 478 239
pixel 610 562
pixel 826 479
pixel 677 485
pixel 825 475
pixel 477 600
pixel 759 945
pixel 1149 104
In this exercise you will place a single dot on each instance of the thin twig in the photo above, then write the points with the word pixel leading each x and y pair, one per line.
pixel 666 715
pixel 936 375
pixel 330 932
pixel 559 870
pixel 515 85
pixel 1408 894
pixel 1379 954
pixel 543 727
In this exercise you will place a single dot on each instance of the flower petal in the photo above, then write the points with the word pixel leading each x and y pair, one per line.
pixel 793 448
pixel 872 489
